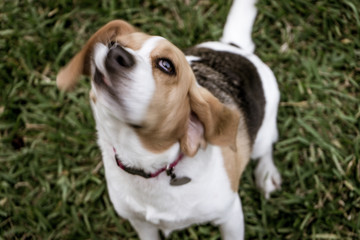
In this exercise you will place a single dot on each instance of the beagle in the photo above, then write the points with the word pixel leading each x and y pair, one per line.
pixel 177 129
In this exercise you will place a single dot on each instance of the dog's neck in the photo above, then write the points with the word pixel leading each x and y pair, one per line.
pixel 139 172
pixel 129 148
pixel 169 169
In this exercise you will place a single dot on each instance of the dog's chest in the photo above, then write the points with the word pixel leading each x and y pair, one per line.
pixel 168 207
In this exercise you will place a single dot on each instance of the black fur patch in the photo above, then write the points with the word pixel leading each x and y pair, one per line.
pixel 232 79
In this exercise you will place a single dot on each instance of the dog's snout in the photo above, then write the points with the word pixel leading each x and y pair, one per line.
pixel 119 57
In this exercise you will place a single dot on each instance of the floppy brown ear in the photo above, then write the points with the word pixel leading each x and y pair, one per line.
pixel 80 63
pixel 219 121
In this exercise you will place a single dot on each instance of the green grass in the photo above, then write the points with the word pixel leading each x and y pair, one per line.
pixel 51 178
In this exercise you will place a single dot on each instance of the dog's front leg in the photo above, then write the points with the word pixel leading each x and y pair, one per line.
pixel 233 226
pixel 145 230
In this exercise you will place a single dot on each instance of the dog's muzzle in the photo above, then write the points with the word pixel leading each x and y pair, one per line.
pixel 116 63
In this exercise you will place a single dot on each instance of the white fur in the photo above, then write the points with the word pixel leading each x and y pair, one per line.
pixel 100 53
pixel 267 176
pixel 191 59
pixel 142 83
pixel 233 228
pixel 238 27
pixel 152 204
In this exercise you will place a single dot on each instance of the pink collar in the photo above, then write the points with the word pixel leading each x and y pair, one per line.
pixel 169 171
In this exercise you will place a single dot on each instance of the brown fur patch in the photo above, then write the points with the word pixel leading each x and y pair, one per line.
pixel 235 162
pixel 169 110
pixel 220 121
pixel 134 40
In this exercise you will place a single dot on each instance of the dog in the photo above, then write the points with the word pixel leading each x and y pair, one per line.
pixel 177 129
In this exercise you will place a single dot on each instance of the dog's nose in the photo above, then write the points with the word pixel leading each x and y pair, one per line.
pixel 119 57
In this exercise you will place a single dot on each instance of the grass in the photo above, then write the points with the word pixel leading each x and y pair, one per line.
pixel 51 178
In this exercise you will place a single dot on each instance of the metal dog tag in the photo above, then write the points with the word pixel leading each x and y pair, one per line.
pixel 175 181
pixel 179 181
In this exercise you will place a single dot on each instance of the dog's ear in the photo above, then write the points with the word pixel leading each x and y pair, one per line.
pixel 80 63
pixel 194 136
pixel 215 122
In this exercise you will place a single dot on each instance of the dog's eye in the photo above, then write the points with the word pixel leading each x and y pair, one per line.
pixel 166 66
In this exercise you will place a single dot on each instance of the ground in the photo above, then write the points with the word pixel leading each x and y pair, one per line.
pixel 51 177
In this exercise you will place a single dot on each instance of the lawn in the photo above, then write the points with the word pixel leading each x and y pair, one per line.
pixel 51 178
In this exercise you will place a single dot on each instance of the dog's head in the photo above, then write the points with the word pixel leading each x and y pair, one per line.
pixel 147 83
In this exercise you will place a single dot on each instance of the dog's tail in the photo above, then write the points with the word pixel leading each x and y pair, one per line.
pixel 239 24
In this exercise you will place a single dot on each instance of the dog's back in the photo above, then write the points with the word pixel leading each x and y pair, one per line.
pixel 230 71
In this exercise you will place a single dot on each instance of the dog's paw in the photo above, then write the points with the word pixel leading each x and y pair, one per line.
pixel 268 178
